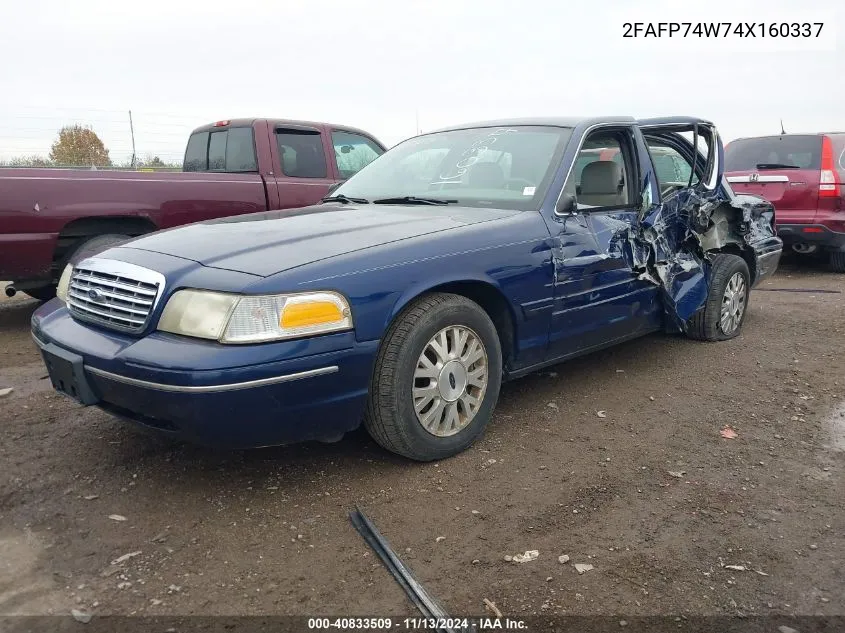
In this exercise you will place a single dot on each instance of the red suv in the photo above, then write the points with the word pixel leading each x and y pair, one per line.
pixel 802 175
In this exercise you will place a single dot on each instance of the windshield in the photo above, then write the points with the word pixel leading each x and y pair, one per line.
pixel 751 154
pixel 503 167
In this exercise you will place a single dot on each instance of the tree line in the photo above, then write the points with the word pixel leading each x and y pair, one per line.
pixel 79 146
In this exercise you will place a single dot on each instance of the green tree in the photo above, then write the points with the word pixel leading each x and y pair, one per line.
pixel 151 161
pixel 78 145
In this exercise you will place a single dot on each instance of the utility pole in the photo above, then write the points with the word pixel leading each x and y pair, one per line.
pixel 132 132
pixel 781 127
pixel 418 123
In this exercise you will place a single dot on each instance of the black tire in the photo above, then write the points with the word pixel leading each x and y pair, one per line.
pixel 837 261
pixel 93 246
pixel 705 325
pixel 390 417
pixel 84 248
pixel 44 293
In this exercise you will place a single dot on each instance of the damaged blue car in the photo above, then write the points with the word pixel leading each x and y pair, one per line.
pixel 458 259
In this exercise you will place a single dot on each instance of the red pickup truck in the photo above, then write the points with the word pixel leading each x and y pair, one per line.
pixel 50 216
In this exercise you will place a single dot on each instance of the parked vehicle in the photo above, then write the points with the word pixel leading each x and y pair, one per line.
pixel 802 174
pixel 459 259
pixel 49 217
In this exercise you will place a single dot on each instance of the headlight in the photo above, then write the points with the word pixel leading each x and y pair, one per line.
pixel 232 318
pixel 64 283
pixel 197 313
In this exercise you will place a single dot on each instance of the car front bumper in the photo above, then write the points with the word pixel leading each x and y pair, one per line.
pixel 205 392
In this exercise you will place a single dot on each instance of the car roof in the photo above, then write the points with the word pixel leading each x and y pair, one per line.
pixel 542 121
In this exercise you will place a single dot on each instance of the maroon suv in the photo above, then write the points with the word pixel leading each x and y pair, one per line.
pixel 802 175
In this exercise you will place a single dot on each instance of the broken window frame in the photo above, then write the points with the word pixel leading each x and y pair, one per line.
pixel 656 142
pixel 705 167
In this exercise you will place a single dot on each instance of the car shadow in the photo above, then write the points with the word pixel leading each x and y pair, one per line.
pixel 356 455
pixel 188 470
pixel 792 263
pixel 16 313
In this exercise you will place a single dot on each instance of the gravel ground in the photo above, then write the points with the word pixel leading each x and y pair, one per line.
pixel 648 492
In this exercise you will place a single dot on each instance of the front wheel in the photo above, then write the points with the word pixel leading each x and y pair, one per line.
pixel 436 378
pixel 727 301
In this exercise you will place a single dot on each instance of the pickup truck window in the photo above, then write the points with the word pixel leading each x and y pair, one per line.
pixel 353 152
pixel 240 150
pixel 196 154
pixel 492 167
pixel 217 151
pixel 231 150
pixel 302 154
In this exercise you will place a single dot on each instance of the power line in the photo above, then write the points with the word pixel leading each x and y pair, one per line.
pixel 91 121
pixel 31 133
pixel 169 115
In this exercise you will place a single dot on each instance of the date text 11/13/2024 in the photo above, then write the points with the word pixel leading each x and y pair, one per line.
pixel 462 625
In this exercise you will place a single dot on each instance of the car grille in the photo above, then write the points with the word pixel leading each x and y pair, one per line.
pixel 110 299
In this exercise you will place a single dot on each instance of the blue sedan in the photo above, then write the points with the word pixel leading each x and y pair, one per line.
pixel 458 259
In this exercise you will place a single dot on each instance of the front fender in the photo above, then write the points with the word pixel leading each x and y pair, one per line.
pixel 428 285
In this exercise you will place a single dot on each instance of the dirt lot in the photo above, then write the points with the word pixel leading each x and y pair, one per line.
pixel 266 532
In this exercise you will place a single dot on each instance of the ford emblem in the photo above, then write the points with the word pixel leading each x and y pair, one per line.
pixel 95 295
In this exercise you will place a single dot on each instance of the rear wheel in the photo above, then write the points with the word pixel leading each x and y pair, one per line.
pixel 837 261
pixel 436 379
pixel 724 311
pixel 87 247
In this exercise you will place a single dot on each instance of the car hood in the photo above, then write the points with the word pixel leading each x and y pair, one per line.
pixel 274 241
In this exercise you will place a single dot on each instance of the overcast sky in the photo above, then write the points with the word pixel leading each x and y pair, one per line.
pixel 381 64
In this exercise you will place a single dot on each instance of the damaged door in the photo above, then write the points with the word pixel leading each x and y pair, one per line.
pixel 694 222
pixel 686 158
pixel 599 298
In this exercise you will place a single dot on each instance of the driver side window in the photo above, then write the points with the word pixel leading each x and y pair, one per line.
pixel 600 176
pixel 671 168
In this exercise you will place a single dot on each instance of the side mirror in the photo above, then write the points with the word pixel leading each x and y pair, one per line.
pixel 566 205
